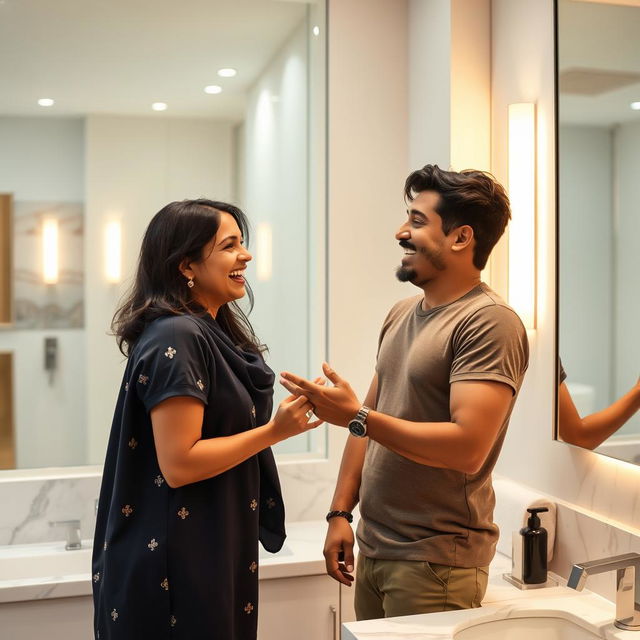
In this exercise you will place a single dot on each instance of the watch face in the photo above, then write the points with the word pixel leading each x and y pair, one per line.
pixel 357 428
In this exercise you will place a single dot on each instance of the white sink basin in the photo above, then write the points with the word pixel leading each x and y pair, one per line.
pixel 51 560
pixel 527 628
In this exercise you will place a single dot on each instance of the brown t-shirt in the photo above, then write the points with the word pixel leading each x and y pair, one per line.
pixel 411 511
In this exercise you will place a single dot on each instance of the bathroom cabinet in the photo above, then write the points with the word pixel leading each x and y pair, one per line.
pixel 290 608
pixel 303 607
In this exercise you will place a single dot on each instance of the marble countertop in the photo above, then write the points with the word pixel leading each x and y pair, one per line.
pixel 46 570
pixel 501 601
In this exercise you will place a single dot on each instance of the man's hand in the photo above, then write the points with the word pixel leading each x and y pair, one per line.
pixel 339 544
pixel 337 405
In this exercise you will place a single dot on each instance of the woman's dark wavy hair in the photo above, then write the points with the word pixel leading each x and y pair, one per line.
pixel 180 231
pixel 468 197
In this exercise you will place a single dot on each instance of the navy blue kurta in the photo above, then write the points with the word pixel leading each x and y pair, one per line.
pixel 183 563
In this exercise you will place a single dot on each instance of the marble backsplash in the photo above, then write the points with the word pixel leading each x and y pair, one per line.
pixel 580 535
pixel 31 503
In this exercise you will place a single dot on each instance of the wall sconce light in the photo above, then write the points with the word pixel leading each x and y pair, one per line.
pixel 50 266
pixel 264 252
pixel 113 252
pixel 522 194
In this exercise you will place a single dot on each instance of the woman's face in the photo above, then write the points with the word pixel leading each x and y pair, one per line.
pixel 219 275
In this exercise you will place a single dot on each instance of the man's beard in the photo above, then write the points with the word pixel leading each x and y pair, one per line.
pixel 405 274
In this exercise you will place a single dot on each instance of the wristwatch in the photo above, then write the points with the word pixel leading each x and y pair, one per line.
pixel 358 426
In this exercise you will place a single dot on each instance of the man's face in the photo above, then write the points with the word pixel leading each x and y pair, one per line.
pixel 423 241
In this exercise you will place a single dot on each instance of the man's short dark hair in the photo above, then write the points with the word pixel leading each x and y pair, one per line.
pixel 467 197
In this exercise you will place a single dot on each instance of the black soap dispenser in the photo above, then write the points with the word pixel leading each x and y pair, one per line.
pixel 534 549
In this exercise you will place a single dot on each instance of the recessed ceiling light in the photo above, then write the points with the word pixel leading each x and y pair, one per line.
pixel 227 73
pixel 635 106
pixel 212 89
pixel 46 102
pixel 159 106
pixel 316 30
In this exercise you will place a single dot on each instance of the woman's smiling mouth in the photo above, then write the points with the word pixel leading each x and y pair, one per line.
pixel 237 276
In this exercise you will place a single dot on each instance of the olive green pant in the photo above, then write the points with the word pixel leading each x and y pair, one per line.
pixel 387 588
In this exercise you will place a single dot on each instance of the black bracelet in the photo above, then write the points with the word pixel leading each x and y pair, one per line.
pixel 341 514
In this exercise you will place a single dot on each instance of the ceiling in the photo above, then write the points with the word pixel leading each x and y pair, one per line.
pixel 120 56
pixel 599 45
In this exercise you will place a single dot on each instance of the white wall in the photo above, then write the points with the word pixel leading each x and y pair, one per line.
pixel 42 159
pixel 522 71
pixel 449 83
pixel 134 166
pixel 586 259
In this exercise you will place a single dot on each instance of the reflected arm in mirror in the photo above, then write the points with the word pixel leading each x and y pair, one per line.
pixel 592 430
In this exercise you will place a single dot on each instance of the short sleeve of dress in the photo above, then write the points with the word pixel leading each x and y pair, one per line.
pixel 491 345
pixel 172 359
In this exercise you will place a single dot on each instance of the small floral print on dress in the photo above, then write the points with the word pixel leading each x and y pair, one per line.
pixel 200 385
pixel 142 379
pixel 165 584
pixel 133 443
pixel 153 545
pixel 271 503
pixel 172 621
pixel 170 352
pixel 249 608
pixel 127 510
pixel 253 411
pixel 253 566
pixel 114 615
pixel 96 577
pixel 158 481
pixel 253 504
pixel 183 513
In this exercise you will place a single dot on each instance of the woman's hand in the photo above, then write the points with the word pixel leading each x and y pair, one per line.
pixel 292 418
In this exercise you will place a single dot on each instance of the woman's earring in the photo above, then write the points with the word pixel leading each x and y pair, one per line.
pixel 190 283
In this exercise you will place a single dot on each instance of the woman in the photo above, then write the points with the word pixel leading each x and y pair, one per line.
pixel 190 482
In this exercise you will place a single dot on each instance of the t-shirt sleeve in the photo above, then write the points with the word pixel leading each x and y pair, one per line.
pixel 562 374
pixel 492 345
pixel 173 361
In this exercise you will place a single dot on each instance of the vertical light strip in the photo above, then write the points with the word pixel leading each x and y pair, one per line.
pixel 522 229
pixel 264 252
pixel 50 251
pixel 113 252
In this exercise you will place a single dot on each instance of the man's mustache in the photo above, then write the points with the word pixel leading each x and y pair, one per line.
pixel 406 245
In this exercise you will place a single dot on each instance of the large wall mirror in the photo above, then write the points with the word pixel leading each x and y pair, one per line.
pixel 598 89
pixel 108 111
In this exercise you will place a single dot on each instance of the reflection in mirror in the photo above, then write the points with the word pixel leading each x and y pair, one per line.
pixel 598 80
pixel 109 112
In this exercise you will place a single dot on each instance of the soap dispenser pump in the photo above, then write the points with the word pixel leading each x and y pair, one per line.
pixel 534 549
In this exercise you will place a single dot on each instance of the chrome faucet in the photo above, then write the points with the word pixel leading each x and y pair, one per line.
pixel 73 533
pixel 627 592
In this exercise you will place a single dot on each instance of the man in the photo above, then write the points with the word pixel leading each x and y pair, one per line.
pixel 450 364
